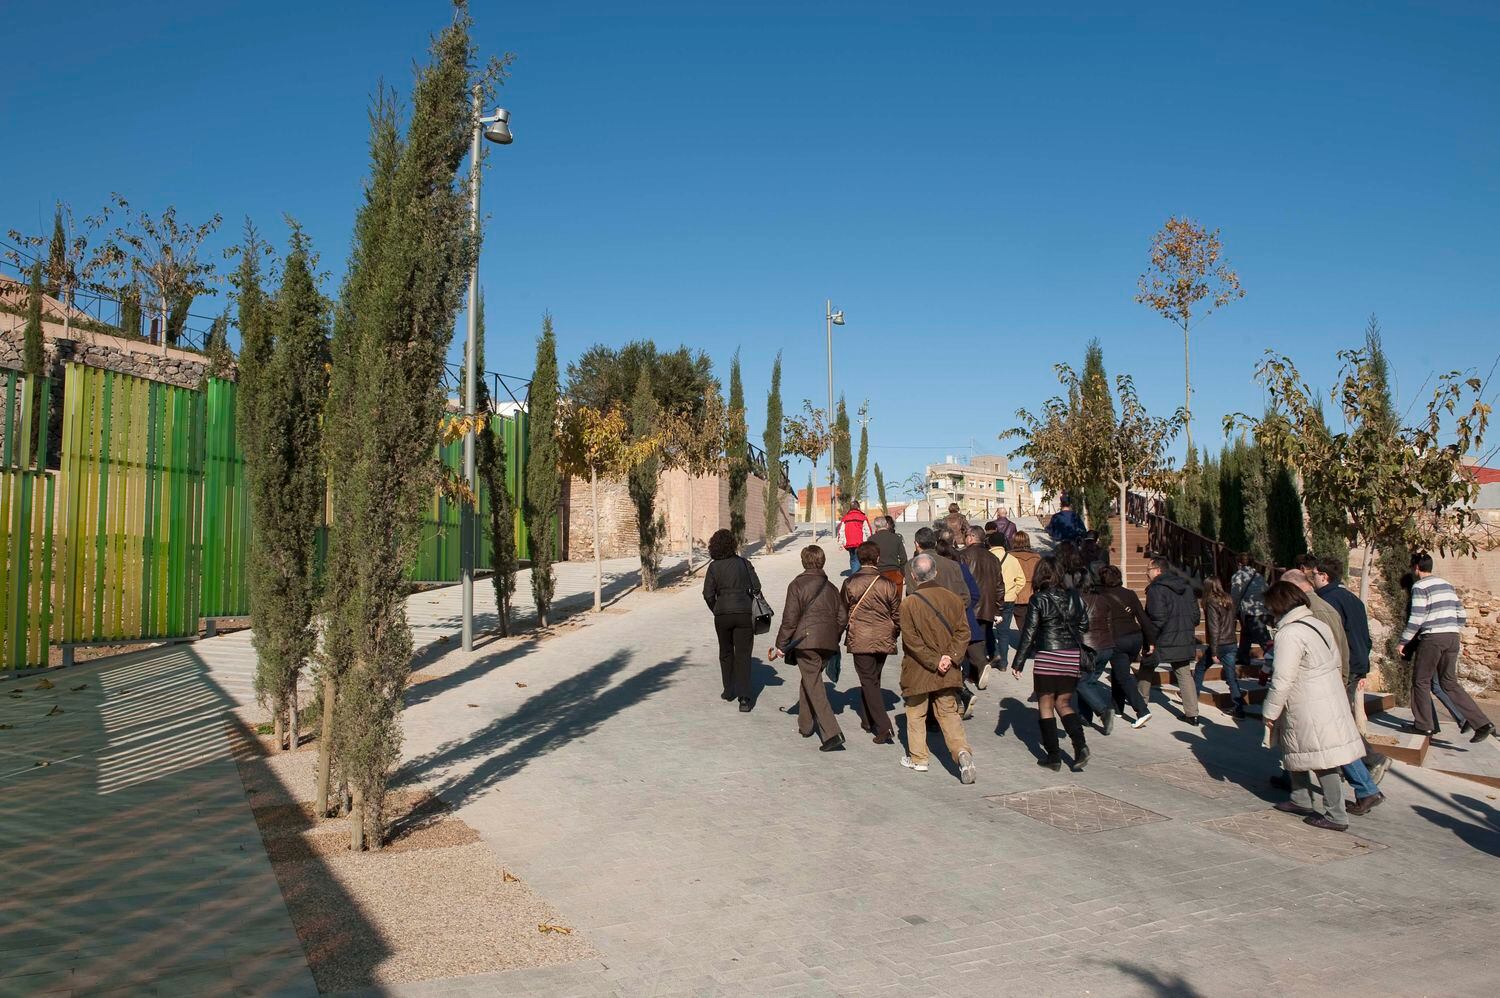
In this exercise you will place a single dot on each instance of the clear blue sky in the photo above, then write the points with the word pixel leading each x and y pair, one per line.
pixel 976 190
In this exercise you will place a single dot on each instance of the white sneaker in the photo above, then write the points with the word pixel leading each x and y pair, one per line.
pixel 1140 722
pixel 984 677
pixel 965 767
pixel 920 767
pixel 1378 771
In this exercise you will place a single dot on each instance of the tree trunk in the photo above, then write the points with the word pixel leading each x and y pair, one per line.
pixel 357 822
pixel 294 734
pixel 1187 383
pixel 278 731
pixel 1364 578
pixel 690 521
pixel 325 746
pixel 598 562
pixel 1124 498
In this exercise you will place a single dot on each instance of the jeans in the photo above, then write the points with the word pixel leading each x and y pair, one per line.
pixel 853 560
pixel 1093 697
pixel 1358 776
pixel 1228 657
pixel 1121 678
pixel 1002 633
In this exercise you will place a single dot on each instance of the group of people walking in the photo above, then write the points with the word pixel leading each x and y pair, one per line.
pixel 1094 648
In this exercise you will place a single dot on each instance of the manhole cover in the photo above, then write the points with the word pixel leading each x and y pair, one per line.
pixel 1287 835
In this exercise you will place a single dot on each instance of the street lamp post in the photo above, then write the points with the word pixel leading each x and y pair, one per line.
pixel 834 319
pixel 496 128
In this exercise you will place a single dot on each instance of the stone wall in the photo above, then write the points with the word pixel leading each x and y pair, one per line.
pixel 183 368
pixel 617 521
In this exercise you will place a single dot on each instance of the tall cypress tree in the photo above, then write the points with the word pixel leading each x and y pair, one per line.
pixel 130 309
pixel 408 272
pixel 57 255
pixel 1392 560
pixel 177 316
pixel 33 355
pixel 737 452
pixel 501 524
pixel 1254 489
pixel 807 512
pixel 771 440
pixel 1232 497
pixel 843 460
pixel 1283 514
pixel 543 479
pixel 880 488
pixel 1099 406
pixel 287 486
pixel 861 464
pixel 344 441
pixel 642 481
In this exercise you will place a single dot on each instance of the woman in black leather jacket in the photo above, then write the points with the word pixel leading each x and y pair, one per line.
pixel 1053 637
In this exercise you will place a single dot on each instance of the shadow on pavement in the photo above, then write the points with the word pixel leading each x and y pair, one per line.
pixel 1483 833
pixel 438 685
pixel 1021 720
pixel 1154 981
pixel 1234 753
pixel 546 722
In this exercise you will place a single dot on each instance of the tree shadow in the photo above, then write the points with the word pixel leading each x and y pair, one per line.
pixel 431 688
pixel 1168 985
pixel 545 723
pixel 1482 834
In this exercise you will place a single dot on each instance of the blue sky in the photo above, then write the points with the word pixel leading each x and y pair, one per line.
pixel 977 189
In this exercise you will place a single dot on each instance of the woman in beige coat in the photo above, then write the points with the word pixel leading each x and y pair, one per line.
pixel 1307 709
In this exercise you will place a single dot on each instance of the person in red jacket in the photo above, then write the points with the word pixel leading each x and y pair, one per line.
pixel 854 530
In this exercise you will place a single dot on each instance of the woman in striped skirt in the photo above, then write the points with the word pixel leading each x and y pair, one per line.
pixel 1052 637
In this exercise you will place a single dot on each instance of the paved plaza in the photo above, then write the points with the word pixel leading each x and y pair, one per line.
pixel 702 851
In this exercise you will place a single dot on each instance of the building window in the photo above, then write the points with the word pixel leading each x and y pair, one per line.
pixel 1000 485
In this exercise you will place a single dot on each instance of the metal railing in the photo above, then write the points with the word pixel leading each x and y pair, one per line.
pixel 1198 556
pixel 501 386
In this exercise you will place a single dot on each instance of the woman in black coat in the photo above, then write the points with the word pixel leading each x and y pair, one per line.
pixel 727 587
pixel 1053 636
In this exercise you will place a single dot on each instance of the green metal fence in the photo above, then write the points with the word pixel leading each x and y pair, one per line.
pixel 130 508
pixel 226 506
pixel 26 504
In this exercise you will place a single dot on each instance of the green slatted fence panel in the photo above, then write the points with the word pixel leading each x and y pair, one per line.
pixel 26 505
pixel 226 506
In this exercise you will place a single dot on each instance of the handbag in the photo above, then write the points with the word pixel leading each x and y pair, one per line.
pixel 1086 654
pixel 760 609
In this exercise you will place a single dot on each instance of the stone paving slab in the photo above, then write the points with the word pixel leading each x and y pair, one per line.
pixel 1287 835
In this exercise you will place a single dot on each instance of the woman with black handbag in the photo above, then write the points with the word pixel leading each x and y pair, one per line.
pixel 732 590
pixel 1052 635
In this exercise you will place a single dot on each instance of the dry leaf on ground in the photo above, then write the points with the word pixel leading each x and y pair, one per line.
pixel 55 710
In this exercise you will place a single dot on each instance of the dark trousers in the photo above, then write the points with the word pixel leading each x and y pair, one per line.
pixel 1437 656
pixel 869 667
pixel 1121 677
pixel 988 626
pixel 736 631
pixel 813 707
pixel 976 659
pixel 1092 696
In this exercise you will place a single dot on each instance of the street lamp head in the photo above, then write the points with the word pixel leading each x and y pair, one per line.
pixel 838 317
pixel 497 127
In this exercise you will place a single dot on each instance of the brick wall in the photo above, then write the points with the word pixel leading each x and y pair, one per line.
pixel 111 353
pixel 617 522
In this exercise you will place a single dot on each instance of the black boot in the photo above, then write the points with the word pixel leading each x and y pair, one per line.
pixel 1080 747
pixel 1053 759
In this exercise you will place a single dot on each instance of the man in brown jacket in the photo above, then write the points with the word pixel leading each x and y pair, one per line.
pixel 935 637
pixel 958 523
pixel 949 575
pixel 874 606
pixel 812 621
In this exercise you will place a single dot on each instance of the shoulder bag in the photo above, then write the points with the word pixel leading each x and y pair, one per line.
pixel 965 695
pixel 760 610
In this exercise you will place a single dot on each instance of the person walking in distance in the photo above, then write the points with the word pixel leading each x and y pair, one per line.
pixel 949 575
pixel 1053 637
pixel 1307 709
pixel 957 523
pixel 1065 524
pixel 1012 581
pixel 812 622
pixel 728 586
pixel 874 624
pixel 934 638
pixel 1431 639
pixel 1247 589
pixel 892 563
pixel 986 572
pixel 1221 627
pixel 1005 526
pixel 1173 611
pixel 1119 625
pixel 854 530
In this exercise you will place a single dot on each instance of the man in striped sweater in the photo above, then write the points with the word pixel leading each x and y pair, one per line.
pixel 1431 639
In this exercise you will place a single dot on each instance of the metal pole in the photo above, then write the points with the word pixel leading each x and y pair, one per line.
pixel 829 312
pixel 471 477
